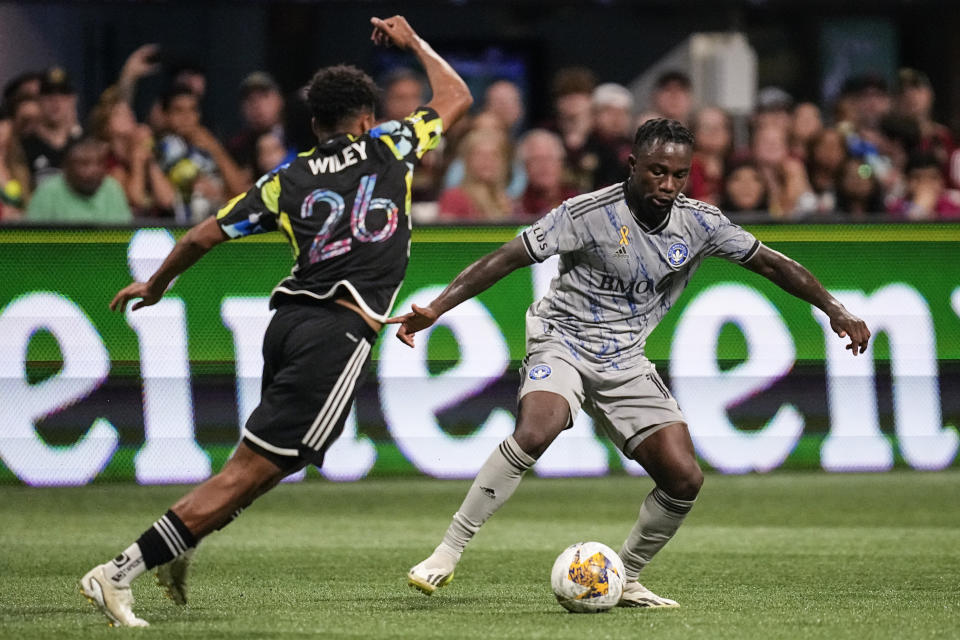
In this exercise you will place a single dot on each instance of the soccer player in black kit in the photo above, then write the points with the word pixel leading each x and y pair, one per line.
pixel 344 207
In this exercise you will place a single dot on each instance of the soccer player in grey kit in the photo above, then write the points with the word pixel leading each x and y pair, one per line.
pixel 626 253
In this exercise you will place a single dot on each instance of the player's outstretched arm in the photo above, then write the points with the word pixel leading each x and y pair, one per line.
pixel 190 248
pixel 478 277
pixel 451 97
pixel 795 279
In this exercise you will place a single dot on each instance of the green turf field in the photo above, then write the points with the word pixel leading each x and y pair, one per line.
pixel 787 555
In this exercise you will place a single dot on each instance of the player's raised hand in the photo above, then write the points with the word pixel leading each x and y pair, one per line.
pixel 393 31
pixel 417 320
pixel 846 324
pixel 133 290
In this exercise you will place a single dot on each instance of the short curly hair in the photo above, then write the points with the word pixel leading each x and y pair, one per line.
pixel 660 130
pixel 340 92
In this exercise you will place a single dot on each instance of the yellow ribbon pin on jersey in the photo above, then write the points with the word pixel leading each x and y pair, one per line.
pixel 624 232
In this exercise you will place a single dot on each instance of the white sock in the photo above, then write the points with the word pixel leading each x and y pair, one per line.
pixel 125 567
pixel 495 483
pixel 660 517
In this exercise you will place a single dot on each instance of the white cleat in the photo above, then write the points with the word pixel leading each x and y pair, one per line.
pixel 172 577
pixel 433 573
pixel 114 602
pixel 637 595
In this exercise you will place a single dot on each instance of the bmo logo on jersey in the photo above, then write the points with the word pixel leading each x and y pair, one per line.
pixel 614 284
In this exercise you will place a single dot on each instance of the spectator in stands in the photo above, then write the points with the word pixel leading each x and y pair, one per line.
pixel 482 196
pixel 826 155
pixel 180 73
pixel 744 190
pixel 915 100
pixel 19 119
pixel 896 139
pixel 487 120
pixel 261 105
pixel 573 120
pixel 859 194
pixel 713 139
pixel 130 158
pixel 871 101
pixel 83 193
pixel 25 116
pixel 542 154
pixel 785 178
pixel 954 171
pixel 403 91
pixel 199 167
pixel 186 73
pixel 927 196
pixel 59 126
pixel 805 123
pixel 271 153
pixel 673 96
pixel 504 100
pixel 14 173
pixel 25 85
pixel 611 139
pixel 774 108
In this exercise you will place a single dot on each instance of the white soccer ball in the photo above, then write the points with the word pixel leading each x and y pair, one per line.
pixel 587 578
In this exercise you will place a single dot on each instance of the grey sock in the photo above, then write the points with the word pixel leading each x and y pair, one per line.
pixel 495 483
pixel 660 517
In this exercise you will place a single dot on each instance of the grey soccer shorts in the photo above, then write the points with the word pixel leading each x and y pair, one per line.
pixel 629 405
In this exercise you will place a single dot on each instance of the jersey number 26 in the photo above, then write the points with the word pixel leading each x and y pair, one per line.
pixel 363 204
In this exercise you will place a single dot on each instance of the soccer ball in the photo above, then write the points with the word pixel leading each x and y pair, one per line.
pixel 587 578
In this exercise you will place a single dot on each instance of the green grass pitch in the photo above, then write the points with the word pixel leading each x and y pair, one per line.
pixel 786 555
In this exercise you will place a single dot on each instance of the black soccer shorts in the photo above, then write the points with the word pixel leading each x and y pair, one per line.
pixel 314 357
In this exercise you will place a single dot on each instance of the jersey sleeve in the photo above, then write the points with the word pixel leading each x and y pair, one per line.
pixel 553 234
pixel 731 241
pixel 252 212
pixel 410 138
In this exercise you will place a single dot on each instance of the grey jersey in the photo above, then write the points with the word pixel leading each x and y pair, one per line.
pixel 617 279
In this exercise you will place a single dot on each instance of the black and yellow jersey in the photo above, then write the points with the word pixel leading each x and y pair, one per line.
pixel 345 208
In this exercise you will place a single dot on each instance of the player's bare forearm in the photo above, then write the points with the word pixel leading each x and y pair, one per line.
pixel 194 244
pixel 792 277
pixel 482 274
pixel 451 96
pixel 191 247
pixel 795 279
pixel 476 278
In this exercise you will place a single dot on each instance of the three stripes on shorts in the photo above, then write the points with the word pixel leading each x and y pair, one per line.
pixel 322 427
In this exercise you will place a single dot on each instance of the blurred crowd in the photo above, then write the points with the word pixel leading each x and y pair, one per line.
pixel 876 153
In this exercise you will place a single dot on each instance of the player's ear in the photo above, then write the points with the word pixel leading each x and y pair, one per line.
pixel 313 126
pixel 367 121
pixel 631 162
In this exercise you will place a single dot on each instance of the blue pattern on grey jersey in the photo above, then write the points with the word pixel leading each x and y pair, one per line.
pixel 617 280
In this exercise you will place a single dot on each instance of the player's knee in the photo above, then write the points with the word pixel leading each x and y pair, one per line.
pixel 532 443
pixel 540 423
pixel 685 483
